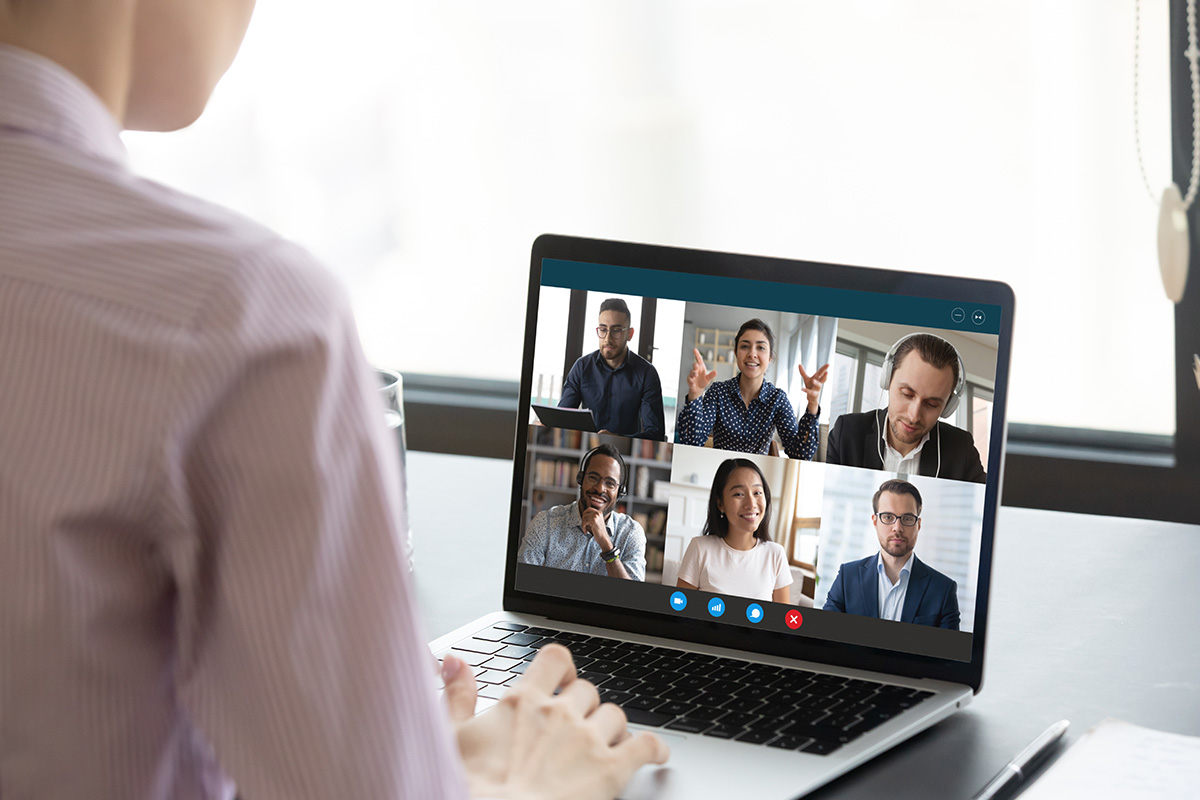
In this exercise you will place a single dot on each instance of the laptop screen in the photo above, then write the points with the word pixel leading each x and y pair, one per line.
pixel 792 457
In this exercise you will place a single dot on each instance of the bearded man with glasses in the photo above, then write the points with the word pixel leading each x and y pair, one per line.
pixel 894 584
pixel 621 388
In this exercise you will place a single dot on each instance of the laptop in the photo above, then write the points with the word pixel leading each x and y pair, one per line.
pixel 766 681
pixel 575 419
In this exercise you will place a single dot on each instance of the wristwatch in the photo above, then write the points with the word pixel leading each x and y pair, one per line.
pixel 610 556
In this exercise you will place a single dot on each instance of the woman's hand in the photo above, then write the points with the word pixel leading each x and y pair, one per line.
pixel 812 386
pixel 536 745
pixel 699 378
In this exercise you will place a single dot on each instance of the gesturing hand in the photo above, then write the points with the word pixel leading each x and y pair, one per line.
pixel 537 745
pixel 812 385
pixel 699 378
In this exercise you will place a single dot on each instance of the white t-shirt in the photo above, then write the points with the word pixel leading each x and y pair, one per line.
pixel 713 566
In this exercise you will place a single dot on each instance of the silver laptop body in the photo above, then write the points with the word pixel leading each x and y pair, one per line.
pixel 677 293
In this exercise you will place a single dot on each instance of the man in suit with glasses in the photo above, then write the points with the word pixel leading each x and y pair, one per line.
pixel 894 584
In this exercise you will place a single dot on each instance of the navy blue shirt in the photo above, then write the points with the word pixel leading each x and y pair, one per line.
pixel 626 400
pixel 721 412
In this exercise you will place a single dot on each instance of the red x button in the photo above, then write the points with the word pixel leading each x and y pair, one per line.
pixel 793 619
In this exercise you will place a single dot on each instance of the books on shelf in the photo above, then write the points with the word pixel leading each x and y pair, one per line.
pixel 654 559
pixel 651 450
pixel 652 522
pixel 565 439
pixel 642 487
pixel 547 472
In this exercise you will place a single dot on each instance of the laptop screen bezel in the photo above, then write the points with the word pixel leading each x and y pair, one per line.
pixel 787 271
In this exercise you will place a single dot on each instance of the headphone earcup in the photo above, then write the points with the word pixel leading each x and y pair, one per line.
pixel 951 405
pixel 885 375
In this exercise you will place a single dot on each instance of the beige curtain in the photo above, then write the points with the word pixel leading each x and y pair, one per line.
pixel 785 506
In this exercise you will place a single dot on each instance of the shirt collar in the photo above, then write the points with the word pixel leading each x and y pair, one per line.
pixel 906 569
pixel 41 98
pixel 916 451
pixel 764 393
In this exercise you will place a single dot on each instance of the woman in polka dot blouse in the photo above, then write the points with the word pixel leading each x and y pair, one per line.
pixel 742 412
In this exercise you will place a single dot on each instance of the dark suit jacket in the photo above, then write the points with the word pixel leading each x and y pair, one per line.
pixel 931 598
pixel 856 440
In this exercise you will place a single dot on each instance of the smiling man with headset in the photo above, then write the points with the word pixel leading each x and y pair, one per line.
pixel 589 535
pixel 925 378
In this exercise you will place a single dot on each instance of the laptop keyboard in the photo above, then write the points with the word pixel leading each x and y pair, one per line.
pixel 790 709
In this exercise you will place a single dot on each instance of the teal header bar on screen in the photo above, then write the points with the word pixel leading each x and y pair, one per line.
pixel 958 315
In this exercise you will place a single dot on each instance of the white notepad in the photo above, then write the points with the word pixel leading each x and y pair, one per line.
pixel 1117 759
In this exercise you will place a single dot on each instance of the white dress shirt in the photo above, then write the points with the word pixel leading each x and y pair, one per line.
pixel 891 595
pixel 908 464
pixel 201 581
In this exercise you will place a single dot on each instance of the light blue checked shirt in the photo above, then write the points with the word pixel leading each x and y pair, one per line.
pixel 556 539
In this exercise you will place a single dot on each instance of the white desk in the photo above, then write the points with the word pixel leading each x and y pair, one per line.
pixel 1090 617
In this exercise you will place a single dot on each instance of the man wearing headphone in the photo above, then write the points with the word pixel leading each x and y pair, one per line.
pixel 588 535
pixel 924 378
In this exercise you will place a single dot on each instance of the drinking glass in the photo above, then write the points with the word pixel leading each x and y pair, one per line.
pixel 391 384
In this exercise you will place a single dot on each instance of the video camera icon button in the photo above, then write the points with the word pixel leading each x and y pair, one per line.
pixel 716 606
pixel 754 613
pixel 678 601
pixel 792 618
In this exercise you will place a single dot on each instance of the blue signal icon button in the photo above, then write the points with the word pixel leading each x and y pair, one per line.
pixel 716 606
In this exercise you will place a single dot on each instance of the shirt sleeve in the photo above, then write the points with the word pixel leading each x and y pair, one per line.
pixel 572 391
pixel 633 554
pixel 300 653
pixel 950 616
pixel 833 446
pixel 835 600
pixel 800 437
pixel 689 565
pixel 533 545
pixel 975 470
pixel 696 418
pixel 653 420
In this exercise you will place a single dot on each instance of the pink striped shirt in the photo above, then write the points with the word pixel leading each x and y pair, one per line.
pixel 200 578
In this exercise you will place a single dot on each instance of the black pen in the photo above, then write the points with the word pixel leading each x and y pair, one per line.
pixel 1017 769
